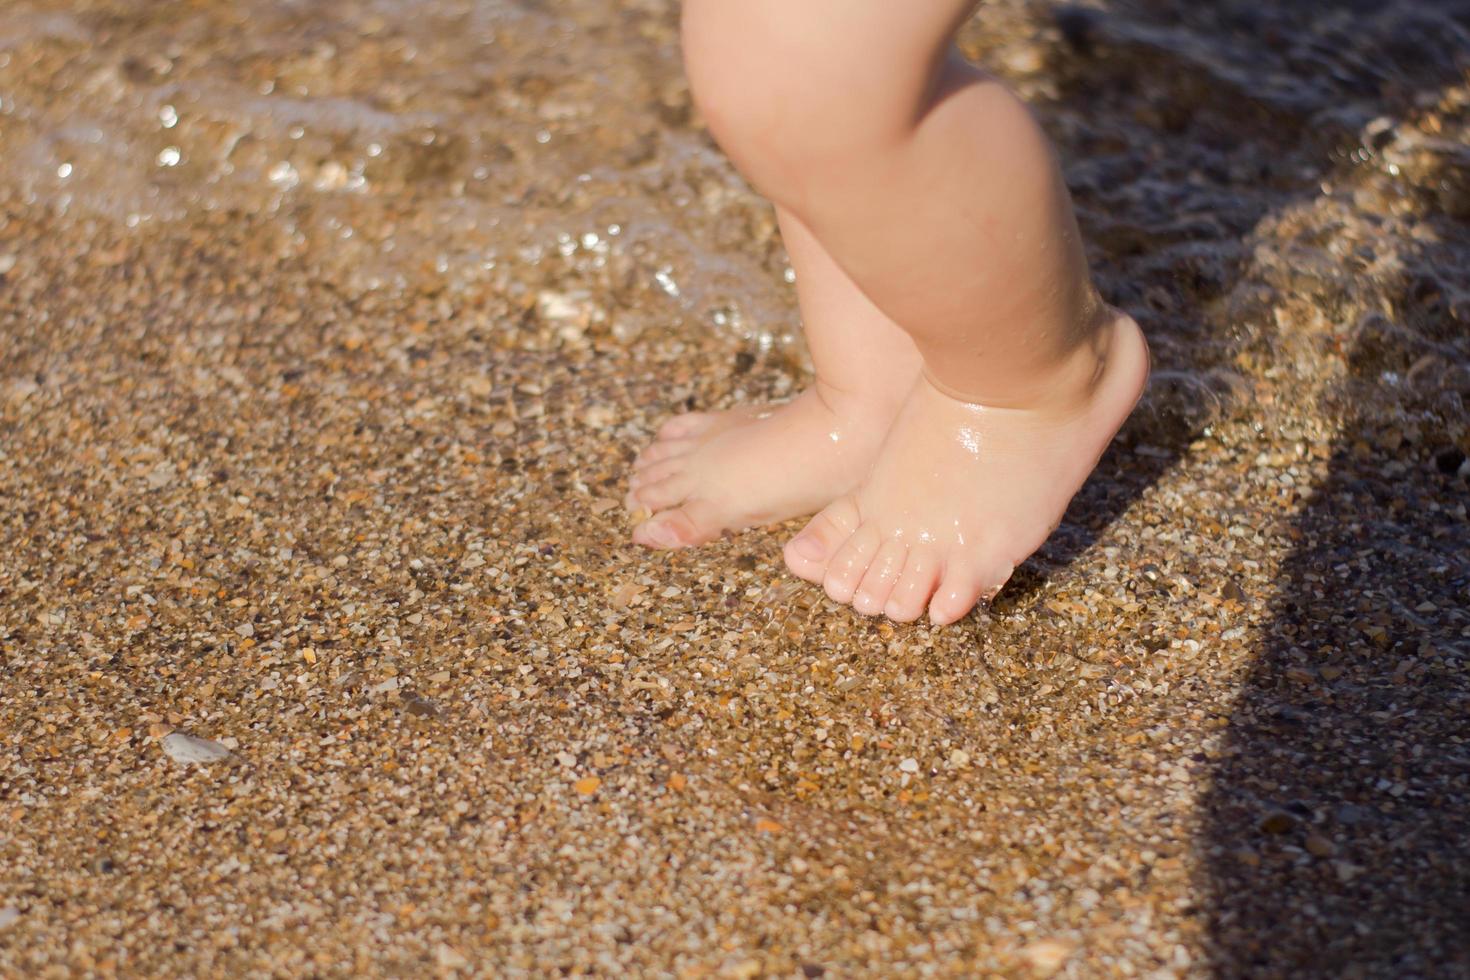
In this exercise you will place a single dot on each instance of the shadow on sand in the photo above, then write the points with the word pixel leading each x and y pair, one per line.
pixel 1338 812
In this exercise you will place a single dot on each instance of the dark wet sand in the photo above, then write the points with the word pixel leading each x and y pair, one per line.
pixel 328 331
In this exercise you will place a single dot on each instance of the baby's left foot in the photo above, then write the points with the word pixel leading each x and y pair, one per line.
pixel 711 473
pixel 961 493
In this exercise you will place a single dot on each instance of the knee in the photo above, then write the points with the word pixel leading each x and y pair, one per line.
pixel 790 114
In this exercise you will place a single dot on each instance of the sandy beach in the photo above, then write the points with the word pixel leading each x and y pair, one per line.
pixel 329 330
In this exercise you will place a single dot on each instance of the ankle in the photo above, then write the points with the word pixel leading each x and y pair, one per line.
pixel 873 400
pixel 1062 385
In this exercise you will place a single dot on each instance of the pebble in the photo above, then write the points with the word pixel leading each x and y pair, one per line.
pixel 1277 822
pixel 1025 60
pixel 1352 815
pixel 1047 956
pixel 189 749
pixel 19 389
pixel 420 706
pixel 1319 846
pixel 450 958
pixel 599 417
pixel 742 970
pixel 351 679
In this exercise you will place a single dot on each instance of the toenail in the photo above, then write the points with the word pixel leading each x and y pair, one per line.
pixel 808 547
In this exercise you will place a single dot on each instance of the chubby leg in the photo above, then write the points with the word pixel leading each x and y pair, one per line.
pixel 937 193
pixel 706 473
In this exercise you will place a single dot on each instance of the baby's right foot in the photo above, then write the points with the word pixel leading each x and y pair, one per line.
pixel 962 492
pixel 707 473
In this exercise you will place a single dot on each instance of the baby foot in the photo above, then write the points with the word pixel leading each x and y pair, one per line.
pixel 709 473
pixel 961 493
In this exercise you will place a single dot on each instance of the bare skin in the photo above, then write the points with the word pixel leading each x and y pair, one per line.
pixel 962 492
pixel 707 473
pixel 932 193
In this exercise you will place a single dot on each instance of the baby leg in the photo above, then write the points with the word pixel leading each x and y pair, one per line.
pixel 937 193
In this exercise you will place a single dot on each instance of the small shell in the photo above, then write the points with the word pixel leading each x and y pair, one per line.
pixel 188 749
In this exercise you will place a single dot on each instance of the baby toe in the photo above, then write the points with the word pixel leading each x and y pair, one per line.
pixel 882 575
pixel 910 597
pixel 657 472
pixel 657 495
pixel 682 527
pixel 964 585
pixel 807 553
pixel 662 450
pixel 847 568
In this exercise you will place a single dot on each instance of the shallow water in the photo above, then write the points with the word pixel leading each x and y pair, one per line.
pixel 328 330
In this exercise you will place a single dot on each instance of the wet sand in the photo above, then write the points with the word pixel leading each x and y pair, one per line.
pixel 328 332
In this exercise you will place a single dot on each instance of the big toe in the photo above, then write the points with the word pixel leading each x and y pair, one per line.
pixel 693 524
pixel 807 554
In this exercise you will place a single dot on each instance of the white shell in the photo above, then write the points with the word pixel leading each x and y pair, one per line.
pixel 187 748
